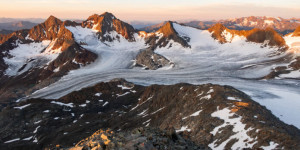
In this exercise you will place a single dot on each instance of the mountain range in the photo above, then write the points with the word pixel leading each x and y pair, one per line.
pixel 60 82
pixel 281 25
pixel 17 25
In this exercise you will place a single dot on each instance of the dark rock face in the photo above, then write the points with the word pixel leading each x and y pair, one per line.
pixel 168 33
pixel 121 106
pixel 106 23
pixel 150 60
pixel 268 35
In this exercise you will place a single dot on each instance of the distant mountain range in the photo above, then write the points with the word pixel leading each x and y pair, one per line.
pixel 14 26
pixel 281 25
pixel 33 20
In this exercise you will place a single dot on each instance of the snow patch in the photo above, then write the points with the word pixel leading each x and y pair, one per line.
pixel 98 94
pixel 193 115
pixel 293 74
pixel 22 107
pixel 124 87
pixel 13 140
pixel 105 104
pixel 62 104
pixel 233 98
pixel 120 95
pixel 183 128
pixel 238 128
pixel 26 54
pixel 272 146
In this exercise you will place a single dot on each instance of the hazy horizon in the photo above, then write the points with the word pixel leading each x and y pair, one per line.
pixel 140 21
pixel 155 10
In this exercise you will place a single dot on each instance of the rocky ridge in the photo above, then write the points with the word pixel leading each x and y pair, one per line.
pixel 266 36
pixel 106 23
pixel 208 115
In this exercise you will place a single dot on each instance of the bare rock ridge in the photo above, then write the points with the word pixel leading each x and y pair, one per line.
pixel 268 35
pixel 210 116
pixel 168 33
pixel 139 138
pixel 106 23
pixel 47 30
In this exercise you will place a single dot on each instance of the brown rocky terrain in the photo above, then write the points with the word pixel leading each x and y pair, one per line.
pixel 296 32
pixel 168 33
pixel 47 30
pixel 140 138
pixel 122 107
pixel 268 35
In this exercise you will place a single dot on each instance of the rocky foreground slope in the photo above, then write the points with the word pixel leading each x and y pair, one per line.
pixel 210 116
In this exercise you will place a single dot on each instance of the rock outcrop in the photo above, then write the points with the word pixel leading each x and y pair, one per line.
pixel 151 60
pixel 140 138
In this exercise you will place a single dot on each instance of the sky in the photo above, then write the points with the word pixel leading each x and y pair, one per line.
pixel 150 10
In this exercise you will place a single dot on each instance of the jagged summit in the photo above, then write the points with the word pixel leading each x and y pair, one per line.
pixel 167 29
pixel 168 33
pixel 108 14
pixel 217 27
pixel 217 32
pixel 52 21
pixel 106 23
pixel 47 30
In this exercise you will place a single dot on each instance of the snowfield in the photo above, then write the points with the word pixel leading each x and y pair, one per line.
pixel 238 64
